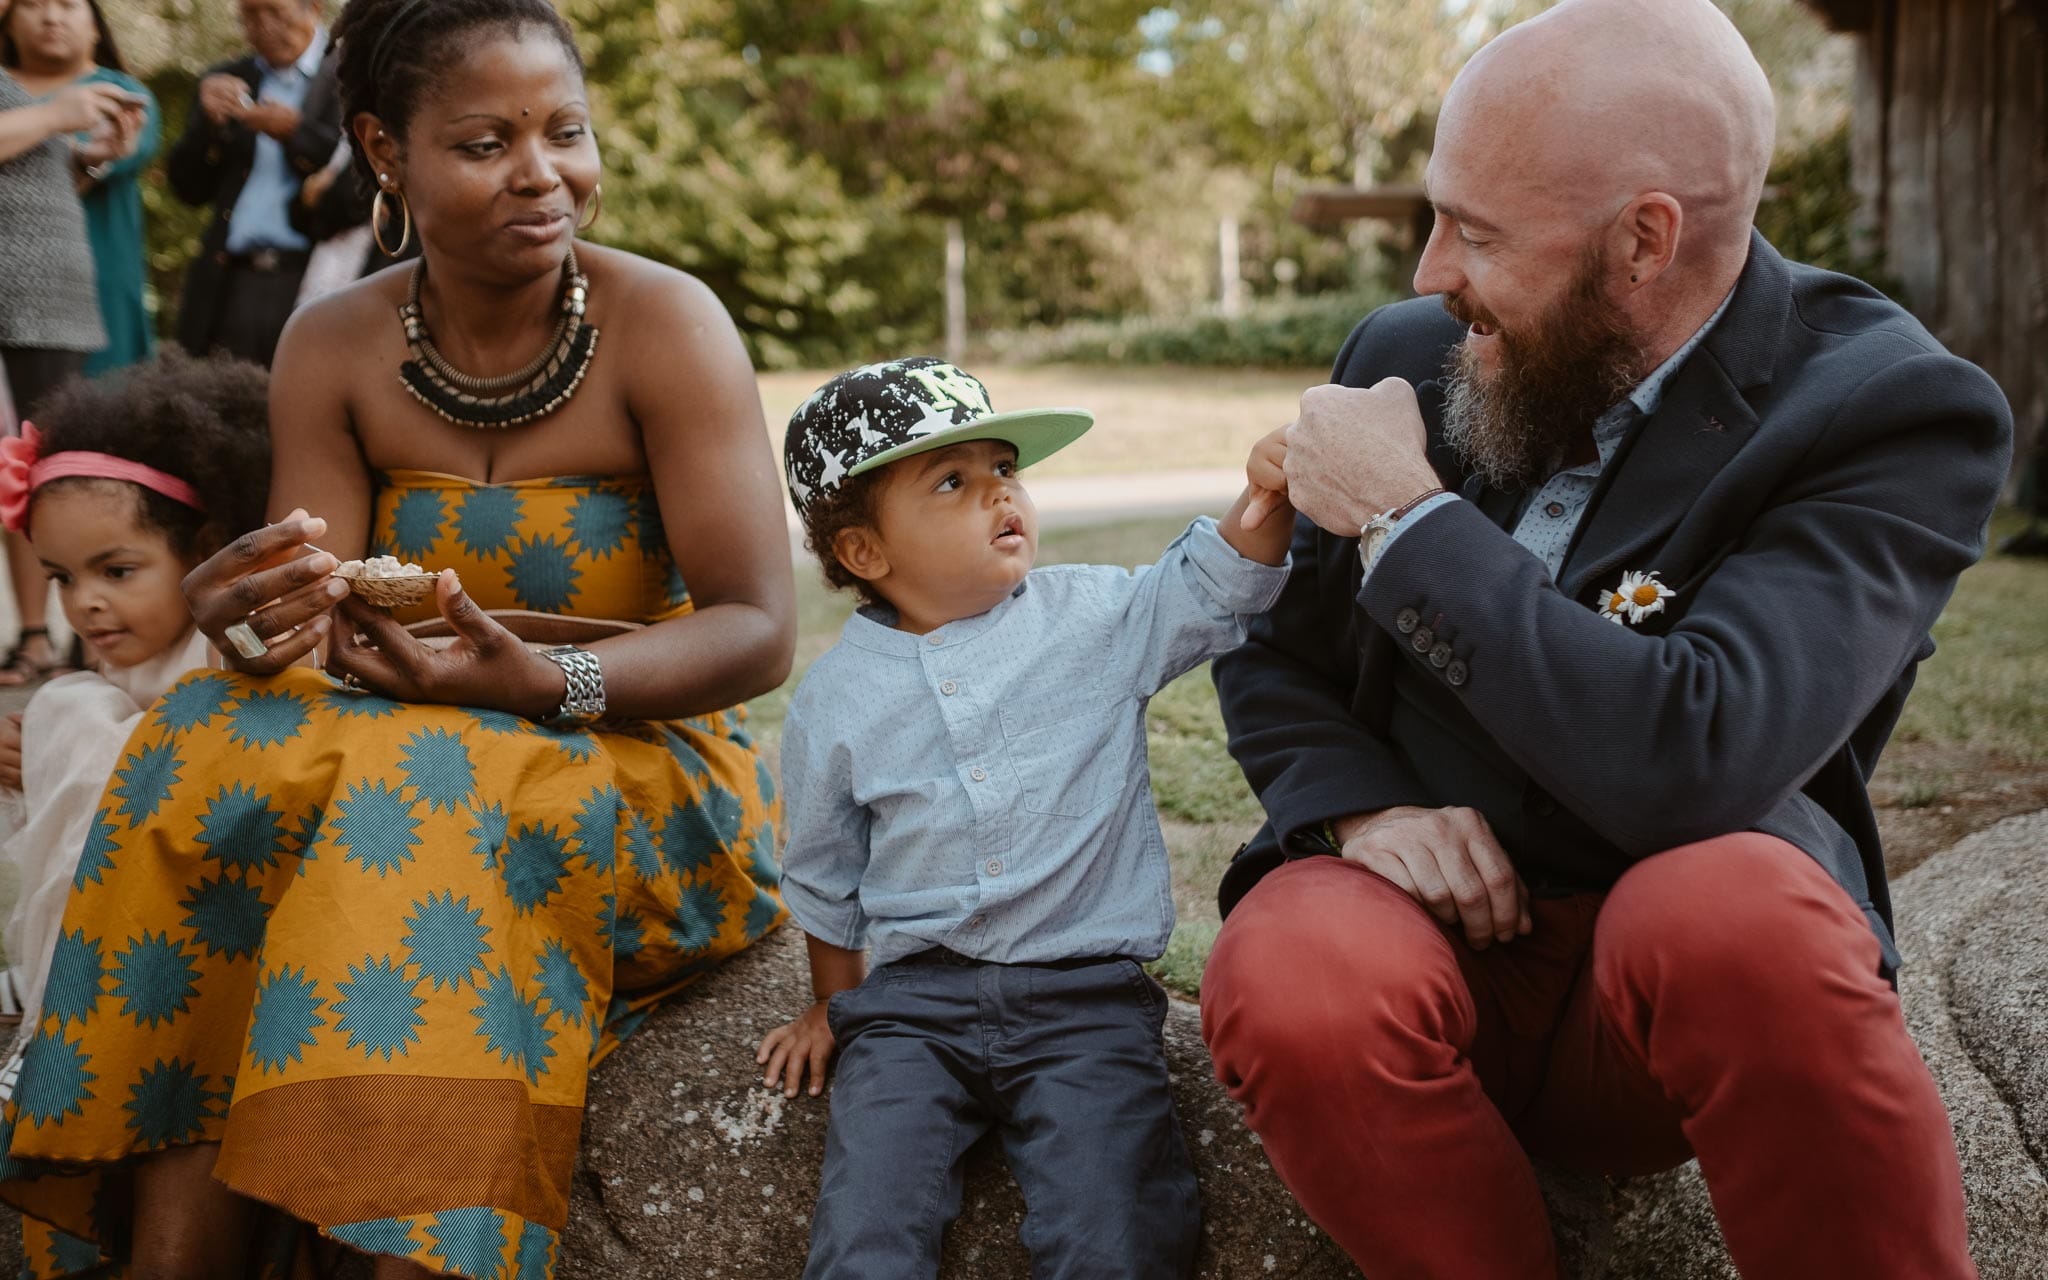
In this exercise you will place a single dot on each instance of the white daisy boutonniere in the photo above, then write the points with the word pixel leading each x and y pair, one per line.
pixel 1638 596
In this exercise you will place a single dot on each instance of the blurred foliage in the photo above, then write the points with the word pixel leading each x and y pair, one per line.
pixel 1811 215
pixel 801 156
pixel 1287 333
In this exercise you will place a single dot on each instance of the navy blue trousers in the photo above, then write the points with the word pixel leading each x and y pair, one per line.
pixel 1065 1063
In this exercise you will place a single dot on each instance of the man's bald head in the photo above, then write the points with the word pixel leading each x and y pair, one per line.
pixel 1598 101
pixel 1595 175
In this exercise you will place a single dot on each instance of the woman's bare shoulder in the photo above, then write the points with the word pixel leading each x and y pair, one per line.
pixel 649 290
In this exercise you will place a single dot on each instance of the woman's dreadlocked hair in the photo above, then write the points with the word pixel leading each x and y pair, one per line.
pixel 391 50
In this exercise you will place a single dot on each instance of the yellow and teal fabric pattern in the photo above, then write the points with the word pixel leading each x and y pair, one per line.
pixel 374 949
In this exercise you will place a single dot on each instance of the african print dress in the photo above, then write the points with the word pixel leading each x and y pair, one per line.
pixel 374 949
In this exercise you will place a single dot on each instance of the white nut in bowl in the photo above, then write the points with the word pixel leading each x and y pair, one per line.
pixel 386 581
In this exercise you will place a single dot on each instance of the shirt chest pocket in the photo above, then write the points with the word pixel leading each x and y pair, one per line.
pixel 1068 753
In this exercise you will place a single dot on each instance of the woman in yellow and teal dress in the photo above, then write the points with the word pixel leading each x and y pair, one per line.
pixel 350 940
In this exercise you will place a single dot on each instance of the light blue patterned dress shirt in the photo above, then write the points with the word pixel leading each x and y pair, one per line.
pixel 261 218
pixel 1550 516
pixel 984 787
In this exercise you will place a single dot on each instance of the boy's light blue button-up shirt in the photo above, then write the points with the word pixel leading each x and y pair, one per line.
pixel 984 787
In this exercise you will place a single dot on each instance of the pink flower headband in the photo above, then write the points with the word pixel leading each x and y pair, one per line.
pixel 22 472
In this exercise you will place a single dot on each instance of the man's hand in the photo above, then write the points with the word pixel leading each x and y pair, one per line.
pixel 223 97
pixel 272 118
pixel 1355 452
pixel 806 1041
pixel 10 752
pixel 1448 860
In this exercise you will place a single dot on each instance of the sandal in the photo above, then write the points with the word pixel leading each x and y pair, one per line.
pixel 19 668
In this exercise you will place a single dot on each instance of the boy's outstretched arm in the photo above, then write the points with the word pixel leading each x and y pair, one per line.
pixel 807 1040
pixel 1261 525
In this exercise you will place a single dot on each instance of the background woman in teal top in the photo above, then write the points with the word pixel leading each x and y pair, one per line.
pixel 46 45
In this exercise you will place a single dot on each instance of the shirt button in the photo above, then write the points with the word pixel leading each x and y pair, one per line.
pixel 1422 639
pixel 949 687
pixel 1456 674
pixel 978 773
pixel 1554 510
pixel 935 638
pixel 995 866
pixel 1407 620
pixel 1440 657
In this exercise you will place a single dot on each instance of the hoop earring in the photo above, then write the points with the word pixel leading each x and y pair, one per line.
pixel 379 215
pixel 596 208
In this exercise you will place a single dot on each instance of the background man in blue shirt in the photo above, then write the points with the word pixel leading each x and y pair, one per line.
pixel 246 150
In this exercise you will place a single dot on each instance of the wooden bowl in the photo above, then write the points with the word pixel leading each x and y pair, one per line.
pixel 388 593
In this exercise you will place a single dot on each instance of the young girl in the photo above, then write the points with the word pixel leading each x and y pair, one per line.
pixel 122 486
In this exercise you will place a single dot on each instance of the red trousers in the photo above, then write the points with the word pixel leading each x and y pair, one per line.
pixel 1722 1000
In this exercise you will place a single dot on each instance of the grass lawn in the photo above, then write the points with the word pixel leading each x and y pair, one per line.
pixel 1146 419
pixel 1972 742
pixel 1987 684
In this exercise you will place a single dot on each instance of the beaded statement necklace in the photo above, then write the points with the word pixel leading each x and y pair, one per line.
pixel 489 404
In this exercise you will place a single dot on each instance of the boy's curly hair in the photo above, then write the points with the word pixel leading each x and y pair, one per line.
pixel 850 506
pixel 206 422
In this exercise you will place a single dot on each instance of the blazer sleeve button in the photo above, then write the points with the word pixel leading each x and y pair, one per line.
pixel 1406 621
pixel 1422 639
pixel 1457 673
pixel 1440 657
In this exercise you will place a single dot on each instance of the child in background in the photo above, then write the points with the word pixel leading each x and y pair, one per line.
pixel 122 486
pixel 967 796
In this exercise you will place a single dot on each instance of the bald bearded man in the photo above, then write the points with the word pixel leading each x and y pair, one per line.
pixel 1615 564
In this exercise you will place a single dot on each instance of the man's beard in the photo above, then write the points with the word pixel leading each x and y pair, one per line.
pixel 1513 427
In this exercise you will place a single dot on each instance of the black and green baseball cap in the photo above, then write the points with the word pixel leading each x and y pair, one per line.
pixel 871 416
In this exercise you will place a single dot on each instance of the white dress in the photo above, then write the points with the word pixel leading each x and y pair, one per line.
pixel 72 735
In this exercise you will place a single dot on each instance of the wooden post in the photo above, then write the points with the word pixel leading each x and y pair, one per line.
pixel 1231 294
pixel 956 291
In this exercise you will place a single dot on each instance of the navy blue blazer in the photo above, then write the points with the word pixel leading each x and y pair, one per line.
pixel 1818 475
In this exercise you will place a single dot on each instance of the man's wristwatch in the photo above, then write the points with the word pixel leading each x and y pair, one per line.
pixel 583 698
pixel 1378 529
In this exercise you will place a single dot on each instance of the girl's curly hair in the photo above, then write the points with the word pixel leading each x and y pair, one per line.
pixel 204 421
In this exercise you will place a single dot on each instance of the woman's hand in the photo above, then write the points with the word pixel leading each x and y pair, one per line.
pixel 274 580
pixel 806 1041
pixel 10 752
pixel 82 108
pixel 485 666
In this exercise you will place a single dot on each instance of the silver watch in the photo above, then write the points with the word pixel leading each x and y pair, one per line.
pixel 583 698
pixel 1377 530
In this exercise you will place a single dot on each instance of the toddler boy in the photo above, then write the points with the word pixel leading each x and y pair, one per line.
pixel 966 788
